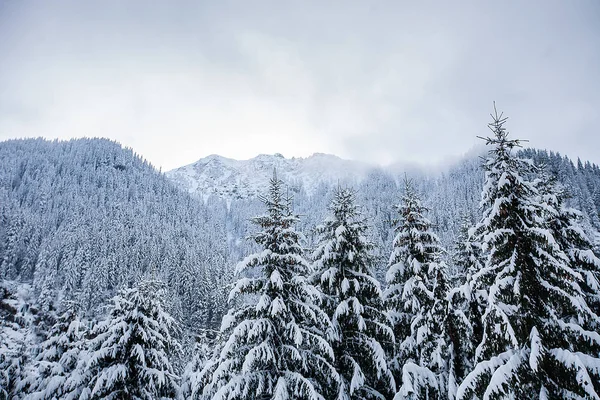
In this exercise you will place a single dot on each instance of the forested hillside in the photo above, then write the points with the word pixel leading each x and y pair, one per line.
pixel 107 262
pixel 452 196
pixel 84 218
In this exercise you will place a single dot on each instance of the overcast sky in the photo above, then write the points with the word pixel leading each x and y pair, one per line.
pixel 377 81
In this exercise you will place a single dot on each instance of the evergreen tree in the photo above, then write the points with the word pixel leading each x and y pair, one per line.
pixel 460 336
pixel 202 354
pixel 416 302
pixel 276 347
pixel 466 257
pixel 129 350
pixel 567 228
pixel 466 306
pixel 534 343
pixel 13 343
pixel 8 265
pixel 57 358
pixel 89 216
pixel 352 297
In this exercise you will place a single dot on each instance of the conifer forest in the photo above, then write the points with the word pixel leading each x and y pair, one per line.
pixel 118 281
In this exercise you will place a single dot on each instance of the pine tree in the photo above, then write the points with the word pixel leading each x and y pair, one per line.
pixel 534 342
pixel 466 257
pixel 129 350
pixel 276 347
pixel 352 297
pixel 201 356
pixel 567 228
pixel 13 342
pixel 57 358
pixel 416 302
pixel 465 305
pixel 461 337
pixel 9 262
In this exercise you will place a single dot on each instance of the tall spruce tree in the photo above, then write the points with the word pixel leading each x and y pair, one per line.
pixel 416 302
pixel 466 257
pixel 362 337
pixel 534 343
pixel 14 332
pixel 276 347
pixel 129 350
pixel 200 357
pixel 566 225
pixel 57 358
pixel 465 305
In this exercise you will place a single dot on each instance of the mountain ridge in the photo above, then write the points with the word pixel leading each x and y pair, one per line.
pixel 239 179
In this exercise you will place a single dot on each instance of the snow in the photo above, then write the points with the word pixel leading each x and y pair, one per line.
pixel 580 363
pixel 276 279
pixel 413 378
pixel 483 368
pixel 277 306
pixel 504 376
pixel 536 349
pixel 233 179
pixel 244 179
pixel 358 378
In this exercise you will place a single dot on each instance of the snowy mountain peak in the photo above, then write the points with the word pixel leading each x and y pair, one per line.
pixel 229 178
pixel 324 155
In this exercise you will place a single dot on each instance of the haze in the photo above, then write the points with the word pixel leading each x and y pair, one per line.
pixel 376 81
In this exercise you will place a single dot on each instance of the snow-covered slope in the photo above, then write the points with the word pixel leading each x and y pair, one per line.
pixel 230 178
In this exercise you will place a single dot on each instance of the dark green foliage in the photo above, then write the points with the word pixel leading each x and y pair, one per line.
pixel 129 351
pixel 362 337
pixel 416 300
pixel 275 346
pixel 535 342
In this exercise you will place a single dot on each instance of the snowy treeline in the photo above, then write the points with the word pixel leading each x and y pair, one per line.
pixel 127 355
pixel 517 319
pixel 84 218
pixel 452 197
pixel 108 270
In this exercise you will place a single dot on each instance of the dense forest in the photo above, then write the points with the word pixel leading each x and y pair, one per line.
pixel 479 282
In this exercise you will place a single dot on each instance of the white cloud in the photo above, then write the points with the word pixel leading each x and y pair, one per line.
pixel 376 81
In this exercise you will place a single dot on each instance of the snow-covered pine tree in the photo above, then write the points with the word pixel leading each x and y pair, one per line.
pixel 13 247
pixel 197 378
pixel 534 344
pixel 130 349
pixel 276 348
pixel 466 255
pixel 461 338
pixel 416 302
pixel 13 341
pixel 352 297
pixel 465 305
pixel 200 356
pixel 566 225
pixel 57 358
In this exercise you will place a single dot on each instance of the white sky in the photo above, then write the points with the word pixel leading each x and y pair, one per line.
pixel 378 81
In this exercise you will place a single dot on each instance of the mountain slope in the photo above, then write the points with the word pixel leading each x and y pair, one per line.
pixel 83 218
pixel 240 179
pixel 451 194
